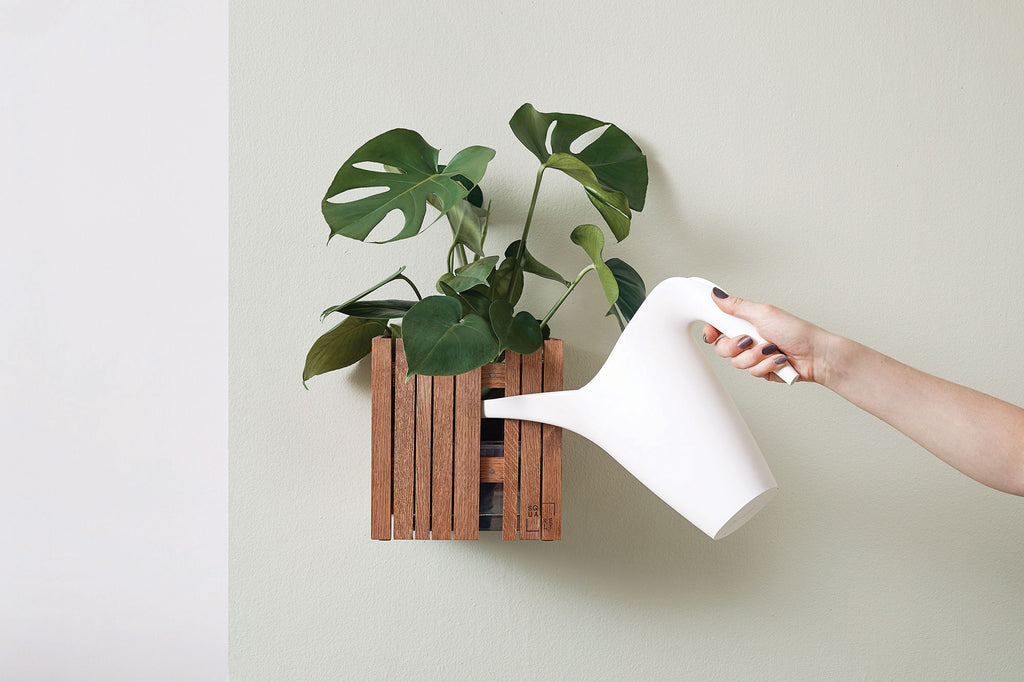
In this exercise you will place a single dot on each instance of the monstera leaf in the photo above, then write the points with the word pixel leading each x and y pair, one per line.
pixel 632 290
pixel 441 341
pixel 610 166
pixel 591 239
pixel 520 333
pixel 344 345
pixel 346 306
pixel 408 190
pixel 471 274
pixel 534 266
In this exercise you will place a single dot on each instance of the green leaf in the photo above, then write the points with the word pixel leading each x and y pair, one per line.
pixel 407 190
pixel 632 290
pixel 386 309
pixel 613 206
pixel 591 239
pixel 616 161
pixel 532 265
pixel 397 275
pixel 521 333
pixel 467 226
pixel 440 341
pixel 472 300
pixel 502 284
pixel 470 274
pixel 344 345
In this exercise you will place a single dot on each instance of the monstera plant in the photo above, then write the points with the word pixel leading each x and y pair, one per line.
pixel 473 317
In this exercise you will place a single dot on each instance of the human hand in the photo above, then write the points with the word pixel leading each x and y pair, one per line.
pixel 790 340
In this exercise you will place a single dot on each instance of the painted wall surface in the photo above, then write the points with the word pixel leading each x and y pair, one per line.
pixel 113 341
pixel 859 167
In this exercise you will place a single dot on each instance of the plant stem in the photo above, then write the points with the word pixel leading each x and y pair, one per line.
pixel 461 250
pixel 409 281
pixel 568 291
pixel 521 251
pixel 622 325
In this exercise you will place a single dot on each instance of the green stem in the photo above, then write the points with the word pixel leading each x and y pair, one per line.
pixel 568 291
pixel 417 291
pixel 461 250
pixel 622 325
pixel 521 251
pixel 451 259
pixel 483 232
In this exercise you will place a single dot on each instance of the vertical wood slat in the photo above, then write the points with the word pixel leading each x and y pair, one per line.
pixel 444 426
pixel 380 439
pixel 404 446
pixel 510 486
pixel 467 456
pixel 424 408
pixel 529 461
pixel 551 450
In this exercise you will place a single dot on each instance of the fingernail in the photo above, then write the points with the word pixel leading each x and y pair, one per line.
pixel 745 342
pixel 780 360
pixel 769 349
pixel 719 293
pixel 705 337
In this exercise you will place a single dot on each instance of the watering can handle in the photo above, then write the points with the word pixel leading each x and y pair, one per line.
pixel 732 326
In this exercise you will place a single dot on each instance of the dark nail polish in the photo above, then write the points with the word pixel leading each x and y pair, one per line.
pixel 780 360
pixel 769 349
pixel 745 342
pixel 719 293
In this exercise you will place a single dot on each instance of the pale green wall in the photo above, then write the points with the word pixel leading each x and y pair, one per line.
pixel 863 168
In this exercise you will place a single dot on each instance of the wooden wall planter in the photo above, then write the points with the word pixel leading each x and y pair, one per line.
pixel 426 463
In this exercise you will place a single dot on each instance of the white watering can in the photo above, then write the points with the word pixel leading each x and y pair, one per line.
pixel 657 408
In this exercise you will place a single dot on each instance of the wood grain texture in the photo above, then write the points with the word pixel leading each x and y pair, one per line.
pixel 380 439
pixel 444 432
pixel 551 450
pixel 424 419
pixel 529 461
pixel 510 483
pixel 492 375
pixel 492 470
pixel 404 446
pixel 467 456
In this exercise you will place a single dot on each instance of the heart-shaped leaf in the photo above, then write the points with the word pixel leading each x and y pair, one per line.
pixel 533 266
pixel 344 345
pixel 591 239
pixel 472 300
pixel 616 161
pixel 632 290
pixel 471 274
pixel 386 309
pixel 407 190
pixel 440 341
pixel 502 284
pixel 520 333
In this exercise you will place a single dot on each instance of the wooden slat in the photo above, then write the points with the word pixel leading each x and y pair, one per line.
pixel 424 407
pixel 467 456
pixel 532 382
pixel 551 451
pixel 492 375
pixel 405 439
pixel 444 426
pixel 510 484
pixel 492 470
pixel 380 439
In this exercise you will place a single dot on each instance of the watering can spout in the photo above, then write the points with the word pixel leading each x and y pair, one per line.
pixel 658 409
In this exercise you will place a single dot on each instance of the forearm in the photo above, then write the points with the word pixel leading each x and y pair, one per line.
pixel 979 435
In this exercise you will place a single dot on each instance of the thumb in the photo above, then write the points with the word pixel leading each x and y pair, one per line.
pixel 734 305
